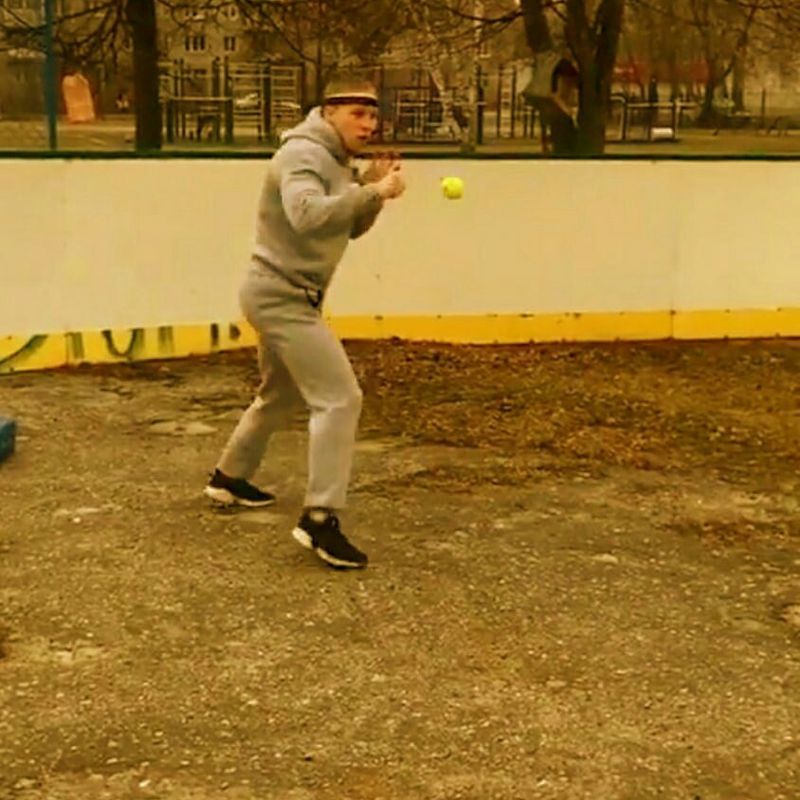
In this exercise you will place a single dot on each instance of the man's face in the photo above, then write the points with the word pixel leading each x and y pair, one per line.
pixel 355 124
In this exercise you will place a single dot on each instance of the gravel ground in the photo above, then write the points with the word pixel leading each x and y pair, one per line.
pixel 584 583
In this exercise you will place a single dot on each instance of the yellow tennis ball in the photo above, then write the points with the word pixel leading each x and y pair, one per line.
pixel 452 188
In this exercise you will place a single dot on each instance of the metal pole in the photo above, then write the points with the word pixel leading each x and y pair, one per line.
pixel 480 104
pixel 228 103
pixel 514 102
pixel 383 103
pixel 499 120
pixel 625 120
pixel 319 57
pixel 50 81
pixel 473 136
pixel 674 119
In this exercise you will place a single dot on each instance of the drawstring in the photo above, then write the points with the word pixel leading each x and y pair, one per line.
pixel 314 297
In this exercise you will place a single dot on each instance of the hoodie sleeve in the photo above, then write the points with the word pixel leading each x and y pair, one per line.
pixel 365 221
pixel 306 202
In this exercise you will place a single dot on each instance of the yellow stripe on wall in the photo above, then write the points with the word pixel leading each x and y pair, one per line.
pixel 509 328
pixel 737 324
pixel 25 353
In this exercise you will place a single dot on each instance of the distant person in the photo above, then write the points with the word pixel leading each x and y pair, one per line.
pixel 559 131
pixel 652 99
pixel 652 91
pixel 122 102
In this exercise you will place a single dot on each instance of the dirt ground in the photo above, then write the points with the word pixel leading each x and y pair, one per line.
pixel 584 583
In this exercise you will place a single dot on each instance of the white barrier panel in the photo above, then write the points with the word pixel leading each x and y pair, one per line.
pixel 536 250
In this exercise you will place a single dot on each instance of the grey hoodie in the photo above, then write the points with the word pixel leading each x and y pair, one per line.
pixel 311 205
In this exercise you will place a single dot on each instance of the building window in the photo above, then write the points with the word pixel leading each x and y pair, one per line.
pixel 230 44
pixel 231 12
pixel 195 43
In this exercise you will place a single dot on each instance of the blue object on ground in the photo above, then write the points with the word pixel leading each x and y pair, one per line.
pixel 8 435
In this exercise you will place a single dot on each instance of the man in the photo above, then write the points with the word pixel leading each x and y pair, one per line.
pixel 311 205
pixel 557 111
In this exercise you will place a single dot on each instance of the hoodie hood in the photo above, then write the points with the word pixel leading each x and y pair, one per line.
pixel 317 129
pixel 311 205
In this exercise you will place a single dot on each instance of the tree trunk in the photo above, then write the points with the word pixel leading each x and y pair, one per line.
pixel 537 31
pixel 596 46
pixel 738 81
pixel 707 114
pixel 592 111
pixel 141 16
pixel 672 54
pixel 319 75
pixel 672 65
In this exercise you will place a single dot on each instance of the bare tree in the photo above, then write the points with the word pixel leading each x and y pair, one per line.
pixel 721 32
pixel 325 34
pixel 94 32
pixel 590 30
pixel 321 33
pixel 723 28
pixel 594 41
pixel 773 38
pixel 140 16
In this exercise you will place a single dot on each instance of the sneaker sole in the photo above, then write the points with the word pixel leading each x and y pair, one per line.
pixel 226 498
pixel 304 540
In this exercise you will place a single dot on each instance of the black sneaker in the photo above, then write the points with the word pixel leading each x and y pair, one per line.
pixel 326 539
pixel 236 491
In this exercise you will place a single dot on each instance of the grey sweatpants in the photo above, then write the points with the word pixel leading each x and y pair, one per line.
pixel 301 362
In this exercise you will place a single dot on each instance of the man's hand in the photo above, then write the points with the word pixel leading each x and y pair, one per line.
pixel 382 165
pixel 391 185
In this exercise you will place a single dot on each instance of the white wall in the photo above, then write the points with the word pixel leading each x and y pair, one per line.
pixel 738 243
pixel 98 244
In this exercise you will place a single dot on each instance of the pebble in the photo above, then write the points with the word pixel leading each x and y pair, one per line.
pixel 752 626
pixel 605 558
pixel 791 615
pixel 198 429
